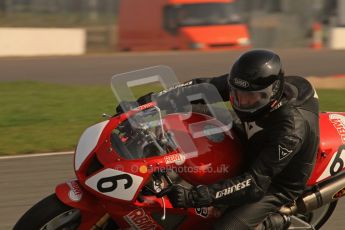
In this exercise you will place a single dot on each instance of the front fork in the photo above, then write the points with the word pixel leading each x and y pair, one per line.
pixel 73 195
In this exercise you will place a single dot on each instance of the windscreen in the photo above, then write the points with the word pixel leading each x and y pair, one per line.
pixel 142 136
pixel 205 14
pixel 151 131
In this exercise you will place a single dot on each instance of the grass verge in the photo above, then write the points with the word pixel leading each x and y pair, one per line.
pixel 42 117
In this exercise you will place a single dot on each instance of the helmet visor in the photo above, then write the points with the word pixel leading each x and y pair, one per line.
pixel 250 101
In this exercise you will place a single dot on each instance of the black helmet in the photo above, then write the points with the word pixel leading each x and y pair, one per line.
pixel 256 83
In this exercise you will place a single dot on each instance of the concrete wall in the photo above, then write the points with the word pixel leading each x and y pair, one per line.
pixel 42 41
pixel 337 38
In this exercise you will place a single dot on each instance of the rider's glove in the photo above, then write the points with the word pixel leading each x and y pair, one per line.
pixel 145 99
pixel 128 105
pixel 181 98
pixel 197 197
pixel 125 106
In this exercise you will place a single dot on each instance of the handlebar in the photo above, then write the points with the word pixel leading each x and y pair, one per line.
pixel 164 192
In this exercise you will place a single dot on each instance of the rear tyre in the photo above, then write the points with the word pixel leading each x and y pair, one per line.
pixel 49 214
pixel 319 217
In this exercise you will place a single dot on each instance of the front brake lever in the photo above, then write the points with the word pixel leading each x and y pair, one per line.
pixel 164 192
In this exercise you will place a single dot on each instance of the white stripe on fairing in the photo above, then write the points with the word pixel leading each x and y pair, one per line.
pixel 88 142
pixel 36 155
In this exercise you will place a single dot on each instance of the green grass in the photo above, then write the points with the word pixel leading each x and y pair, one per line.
pixel 42 117
pixel 332 100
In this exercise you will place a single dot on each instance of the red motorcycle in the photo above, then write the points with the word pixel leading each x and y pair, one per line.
pixel 126 165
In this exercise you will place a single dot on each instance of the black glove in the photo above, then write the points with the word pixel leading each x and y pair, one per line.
pixel 196 197
pixel 128 105
pixel 173 101
pixel 125 106
pixel 180 99
pixel 145 99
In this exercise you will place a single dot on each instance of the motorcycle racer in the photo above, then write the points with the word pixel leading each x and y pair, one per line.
pixel 279 116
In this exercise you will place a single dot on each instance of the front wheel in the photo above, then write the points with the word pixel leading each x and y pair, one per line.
pixel 49 214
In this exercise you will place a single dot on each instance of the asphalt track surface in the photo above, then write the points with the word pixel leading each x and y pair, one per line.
pixel 24 181
pixel 98 69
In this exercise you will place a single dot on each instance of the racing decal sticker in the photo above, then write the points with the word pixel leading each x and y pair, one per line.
pixel 178 159
pixel 283 152
pixel 203 212
pixel 138 219
pixel 102 184
pixel 335 165
pixel 339 194
pixel 146 106
pixel 75 194
pixel 338 122
pixel 234 188
pixel 174 87
pixel 338 161
pixel 115 183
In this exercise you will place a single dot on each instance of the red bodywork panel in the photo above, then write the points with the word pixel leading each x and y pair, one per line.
pixel 74 195
pixel 219 156
pixel 331 154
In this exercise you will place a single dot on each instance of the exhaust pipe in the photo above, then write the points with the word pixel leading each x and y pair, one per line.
pixel 323 193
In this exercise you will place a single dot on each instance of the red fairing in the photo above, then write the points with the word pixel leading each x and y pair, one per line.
pixel 210 149
pixel 73 195
pixel 331 153
pixel 207 151
pixel 111 162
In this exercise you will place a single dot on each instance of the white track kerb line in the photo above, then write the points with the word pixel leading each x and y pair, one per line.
pixel 36 155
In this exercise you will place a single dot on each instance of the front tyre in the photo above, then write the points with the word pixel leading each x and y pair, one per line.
pixel 49 214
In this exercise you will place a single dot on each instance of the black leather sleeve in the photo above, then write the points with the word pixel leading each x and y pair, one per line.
pixel 219 82
pixel 252 185
pixel 285 140
pixel 236 191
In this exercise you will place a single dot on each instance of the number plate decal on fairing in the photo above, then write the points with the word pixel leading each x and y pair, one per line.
pixel 115 184
pixel 335 165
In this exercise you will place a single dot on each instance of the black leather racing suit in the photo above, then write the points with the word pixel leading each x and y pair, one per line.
pixel 281 149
